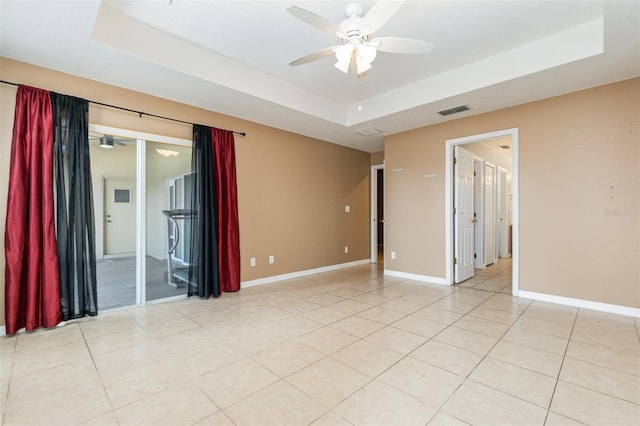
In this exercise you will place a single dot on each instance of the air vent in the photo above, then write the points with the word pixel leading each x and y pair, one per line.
pixel 369 131
pixel 454 110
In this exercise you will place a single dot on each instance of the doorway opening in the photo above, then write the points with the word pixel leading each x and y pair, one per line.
pixel 377 214
pixel 504 236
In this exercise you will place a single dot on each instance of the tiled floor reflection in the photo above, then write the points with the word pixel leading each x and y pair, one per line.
pixel 338 348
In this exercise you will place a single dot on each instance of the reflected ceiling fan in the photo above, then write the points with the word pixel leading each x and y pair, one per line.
pixel 357 49
pixel 108 141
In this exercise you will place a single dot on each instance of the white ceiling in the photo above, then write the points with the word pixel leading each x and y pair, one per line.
pixel 232 57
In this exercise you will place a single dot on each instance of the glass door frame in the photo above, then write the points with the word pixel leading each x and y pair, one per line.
pixel 141 197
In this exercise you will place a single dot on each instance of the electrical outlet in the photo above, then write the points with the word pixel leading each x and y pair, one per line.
pixel 253 261
pixel 393 254
pixel 346 249
pixel 272 259
pixel 347 209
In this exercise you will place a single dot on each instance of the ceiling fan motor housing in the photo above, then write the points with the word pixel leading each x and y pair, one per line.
pixel 354 9
pixel 354 27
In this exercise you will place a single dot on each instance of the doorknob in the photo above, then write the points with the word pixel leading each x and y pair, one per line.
pixel 474 221
pixel 109 221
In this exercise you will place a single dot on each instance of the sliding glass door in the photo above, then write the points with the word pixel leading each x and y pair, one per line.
pixel 113 169
pixel 168 178
pixel 142 249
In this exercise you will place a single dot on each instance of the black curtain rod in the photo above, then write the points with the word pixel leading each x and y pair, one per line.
pixel 140 113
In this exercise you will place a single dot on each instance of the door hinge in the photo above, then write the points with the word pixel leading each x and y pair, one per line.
pixel 454 210
pixel 475 256
pixel 455 260
pixel 455 161
pixel 474 173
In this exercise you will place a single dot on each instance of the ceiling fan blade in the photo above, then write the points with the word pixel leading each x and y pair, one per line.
pixel 313 19
pixel 380 13
pixel 401 45
pixel 313 56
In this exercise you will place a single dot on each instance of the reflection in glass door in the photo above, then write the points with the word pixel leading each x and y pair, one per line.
pixel 135 177
pixel 113 175
pixel 168 188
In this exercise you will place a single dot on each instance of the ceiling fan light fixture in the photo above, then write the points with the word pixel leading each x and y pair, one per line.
pixel 167 153
pixel 362 66
pixel 343 55
pixel 106 142
pixel 343 66
pixel 367 53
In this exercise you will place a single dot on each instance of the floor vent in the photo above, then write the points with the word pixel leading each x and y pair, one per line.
pixel 454 110
pixel 369 131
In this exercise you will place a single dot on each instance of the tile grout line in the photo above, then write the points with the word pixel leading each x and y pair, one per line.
pixel 106 394
pixel 466 378
pixel 429 339
pixel 564 356
pixel 330 410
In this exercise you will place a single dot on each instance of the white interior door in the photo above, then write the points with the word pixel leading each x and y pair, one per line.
pixel 478 189
pixel 489 213
pixel 120 217
pixel 463 215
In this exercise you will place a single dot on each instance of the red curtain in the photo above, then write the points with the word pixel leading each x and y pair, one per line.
pixel 32 282
pixel 224 155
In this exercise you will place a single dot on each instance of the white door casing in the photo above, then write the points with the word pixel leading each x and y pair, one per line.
pixel 503 215
pixel 514 202
pixel 374 211
pixel 489 213
pixel 463 215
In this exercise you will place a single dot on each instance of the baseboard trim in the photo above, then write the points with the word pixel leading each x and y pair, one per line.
pixel 581 303
pixel 416 277
pixel 298 274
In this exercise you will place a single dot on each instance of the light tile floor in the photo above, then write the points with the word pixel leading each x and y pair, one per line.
pixel 338 348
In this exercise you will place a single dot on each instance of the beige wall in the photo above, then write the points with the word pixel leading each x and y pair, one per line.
pixel 579 168
pixel 292 189
pixel 377 158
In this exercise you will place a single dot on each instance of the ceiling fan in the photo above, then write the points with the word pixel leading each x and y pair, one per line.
pixel 357 49
pixel 108 141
